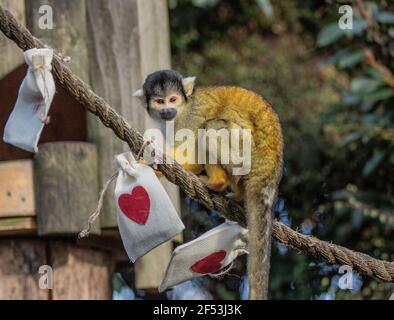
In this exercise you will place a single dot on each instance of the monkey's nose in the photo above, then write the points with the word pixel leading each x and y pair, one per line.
pixel 168 114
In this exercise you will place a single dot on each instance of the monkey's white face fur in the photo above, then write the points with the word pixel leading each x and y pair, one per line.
pixel 165 101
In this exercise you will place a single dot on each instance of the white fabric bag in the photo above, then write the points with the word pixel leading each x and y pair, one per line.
pixel 27 120
pixel 209 253
pixel 145 213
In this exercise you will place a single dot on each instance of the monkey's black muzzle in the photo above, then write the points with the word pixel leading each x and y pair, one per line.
pixel 168 114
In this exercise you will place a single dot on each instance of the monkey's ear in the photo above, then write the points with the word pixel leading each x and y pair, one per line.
pixel 188 85
pixel 140 95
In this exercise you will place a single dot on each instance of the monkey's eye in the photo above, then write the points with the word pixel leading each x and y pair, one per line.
pixel 160 101
pixel 173 99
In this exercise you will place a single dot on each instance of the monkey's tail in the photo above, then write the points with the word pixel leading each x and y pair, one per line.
pixel 259 204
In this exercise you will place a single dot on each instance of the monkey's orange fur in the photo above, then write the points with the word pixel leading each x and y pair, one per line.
pixel 231 108
pixel 234 107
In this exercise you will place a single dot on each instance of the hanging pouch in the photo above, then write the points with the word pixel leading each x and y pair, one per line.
pixel 30 114
pixel 211 252
pixel 145 213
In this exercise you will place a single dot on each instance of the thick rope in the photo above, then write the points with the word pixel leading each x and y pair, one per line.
pixel 188 182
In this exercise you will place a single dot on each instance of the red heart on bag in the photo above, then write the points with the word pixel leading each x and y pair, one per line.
pixel 209 264
pixel 136 205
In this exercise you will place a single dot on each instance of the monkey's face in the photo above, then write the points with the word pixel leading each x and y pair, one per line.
pixel 165 107
pixel 165 93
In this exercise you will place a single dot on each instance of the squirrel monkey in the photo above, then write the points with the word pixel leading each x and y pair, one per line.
pixel 168 96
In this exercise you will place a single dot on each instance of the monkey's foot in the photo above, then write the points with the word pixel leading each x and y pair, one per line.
pixel 158 173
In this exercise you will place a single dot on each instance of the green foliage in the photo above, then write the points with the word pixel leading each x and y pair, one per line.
pixel 362 126
pixel 198 24
pixel 360 133
pixel 333 93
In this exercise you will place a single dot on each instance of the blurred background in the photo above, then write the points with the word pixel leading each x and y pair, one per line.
pixel 334 92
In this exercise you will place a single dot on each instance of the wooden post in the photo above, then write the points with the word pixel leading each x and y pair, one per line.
pixel 154 46
pixel 69 33
pixel 69 36
pixel 129 39
pixel 20 261
pixel 80 273
pixel 113 42
pixel 11 57
pixel 66 186
pixel 10 63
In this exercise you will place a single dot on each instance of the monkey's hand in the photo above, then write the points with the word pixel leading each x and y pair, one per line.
pixel 217 178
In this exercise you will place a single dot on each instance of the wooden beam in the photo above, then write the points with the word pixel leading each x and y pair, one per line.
pixel 18 226
pixel 16 188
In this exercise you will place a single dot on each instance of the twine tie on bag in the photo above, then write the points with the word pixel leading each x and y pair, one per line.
pixel 39 66
pixel 84 233
pixel 155 153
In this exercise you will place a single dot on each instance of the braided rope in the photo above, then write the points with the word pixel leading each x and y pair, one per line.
pixel 188 182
